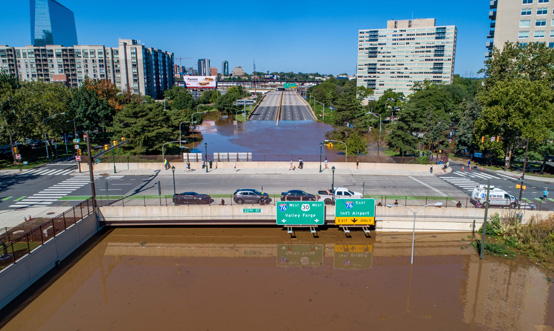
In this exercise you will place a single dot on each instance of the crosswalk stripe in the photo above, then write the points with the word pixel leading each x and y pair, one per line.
pixel 38 200
pixel 18 206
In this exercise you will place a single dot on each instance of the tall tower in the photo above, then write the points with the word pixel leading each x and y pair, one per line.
pixel 52 24
pixel 225 69
pixel 203 67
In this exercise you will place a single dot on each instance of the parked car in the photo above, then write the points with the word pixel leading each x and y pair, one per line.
pixel 297 195
pixel 250 196
pixel 191 198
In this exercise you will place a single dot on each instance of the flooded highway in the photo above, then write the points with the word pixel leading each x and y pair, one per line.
pixel 261 279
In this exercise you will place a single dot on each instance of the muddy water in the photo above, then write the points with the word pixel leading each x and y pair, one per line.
pixel 261 279
pixel 264 139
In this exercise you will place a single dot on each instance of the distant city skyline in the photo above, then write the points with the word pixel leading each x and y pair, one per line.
pixel 305 37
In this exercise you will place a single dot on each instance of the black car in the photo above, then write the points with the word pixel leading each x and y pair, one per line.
pixel 250 196
pixel 191 198
pixel 297 195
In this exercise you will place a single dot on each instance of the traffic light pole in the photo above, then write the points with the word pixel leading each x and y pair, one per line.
pixel 523 174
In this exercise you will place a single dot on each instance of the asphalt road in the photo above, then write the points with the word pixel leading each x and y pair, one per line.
pixel 59 184
pixel 466 181
pixel 294 108
pixel 267 111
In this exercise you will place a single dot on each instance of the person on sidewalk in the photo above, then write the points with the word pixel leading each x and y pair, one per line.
pixel 235 167
pixel 357 164
pixel 326 167
pixel 300 164
pixel 290 167
pixel 431 169
pixel 545 194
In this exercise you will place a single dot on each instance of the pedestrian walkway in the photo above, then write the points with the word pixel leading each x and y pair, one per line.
pixel 480 175
pixel 462 182
pixel 53 193
pixel 46 172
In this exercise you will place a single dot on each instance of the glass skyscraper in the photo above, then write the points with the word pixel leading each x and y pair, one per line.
pixel 52 24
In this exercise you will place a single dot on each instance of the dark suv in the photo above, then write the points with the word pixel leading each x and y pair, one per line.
pixel 297 195
pixel 250 196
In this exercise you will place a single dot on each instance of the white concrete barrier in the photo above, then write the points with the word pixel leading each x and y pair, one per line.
pixel 431 219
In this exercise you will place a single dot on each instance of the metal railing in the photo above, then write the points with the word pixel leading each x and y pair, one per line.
pixel 24 238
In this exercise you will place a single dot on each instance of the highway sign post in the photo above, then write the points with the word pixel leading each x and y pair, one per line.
pixel 305 213
pixel 355 212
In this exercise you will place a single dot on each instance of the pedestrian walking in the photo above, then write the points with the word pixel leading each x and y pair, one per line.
pixel 469 164
pixel 431 169
pixel 326 164
pixel 545 194
pixel 290 166
pixel 300 164
pixel 188 166
pixel 357 164
pixel 166 164
pixel 203 164
pixel 235 166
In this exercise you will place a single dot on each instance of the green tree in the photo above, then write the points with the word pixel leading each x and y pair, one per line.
pixel 91 111
pixel 512 109
pixel 179 98
pixel 145 126
pixel 404 132
pixel 351 137
pixel 466 128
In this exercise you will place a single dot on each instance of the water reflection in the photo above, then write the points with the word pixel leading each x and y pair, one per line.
pixel 260 279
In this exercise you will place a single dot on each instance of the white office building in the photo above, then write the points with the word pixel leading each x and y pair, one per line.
pixel 404 53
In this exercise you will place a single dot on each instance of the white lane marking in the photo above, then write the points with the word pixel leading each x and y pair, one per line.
pixel 484 176
pixel 429 186
pixel 508 177
pixel 19 206
pixel 38 200
pixel 34 203
pixel 57 172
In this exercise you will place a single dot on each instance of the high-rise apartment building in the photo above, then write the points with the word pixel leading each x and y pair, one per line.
pixel 404 53
pixel 203 67
pixel 225 68
pixel 521 21
pixel 52 24
pixel 130 66
pixel 238 71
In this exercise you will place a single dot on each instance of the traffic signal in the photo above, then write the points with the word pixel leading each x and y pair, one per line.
pixel 498 139
pixel 122 138
pixel 79 151
pixel 106 147
pixel 15 150
pixel 482 140
pixel 114 142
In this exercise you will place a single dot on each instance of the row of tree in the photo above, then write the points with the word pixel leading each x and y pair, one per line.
pixel 496 115
pixel 35 110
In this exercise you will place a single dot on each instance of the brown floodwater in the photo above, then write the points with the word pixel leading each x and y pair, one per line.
pixel 261 279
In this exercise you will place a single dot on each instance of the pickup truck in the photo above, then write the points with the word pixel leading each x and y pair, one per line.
pixel 339 193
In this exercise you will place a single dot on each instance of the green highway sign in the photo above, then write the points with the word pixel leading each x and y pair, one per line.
pixel 289 85
pixel 308 213
pixel 299 255
pixel 251 210
pixel 355 212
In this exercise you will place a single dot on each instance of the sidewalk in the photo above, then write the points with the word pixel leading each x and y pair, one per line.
pixel 13 217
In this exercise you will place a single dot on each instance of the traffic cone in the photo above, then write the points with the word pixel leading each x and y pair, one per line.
pixel 463 168
pixel 481 168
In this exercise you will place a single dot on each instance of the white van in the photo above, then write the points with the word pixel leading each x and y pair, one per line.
pixel 497 197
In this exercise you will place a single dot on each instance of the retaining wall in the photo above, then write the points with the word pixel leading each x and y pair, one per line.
pixel 20 276
pixel 398 219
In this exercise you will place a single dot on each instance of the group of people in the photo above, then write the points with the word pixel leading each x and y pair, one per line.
pixel 300 164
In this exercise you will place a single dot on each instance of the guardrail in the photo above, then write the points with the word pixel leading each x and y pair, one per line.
pixel 17 242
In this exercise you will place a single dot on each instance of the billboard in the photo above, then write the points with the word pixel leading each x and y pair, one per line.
pixel 200 81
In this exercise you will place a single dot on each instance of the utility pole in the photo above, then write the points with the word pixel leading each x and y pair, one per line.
pixel 90 171
pixel 523 174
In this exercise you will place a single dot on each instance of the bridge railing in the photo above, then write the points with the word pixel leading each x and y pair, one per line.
pixel 26 237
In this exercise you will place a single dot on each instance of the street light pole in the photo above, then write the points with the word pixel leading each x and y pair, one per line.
pixel 320 154
pixel 346 147
pixel 333 183
pixel 206 147
pixel 436 204
pixel 173 169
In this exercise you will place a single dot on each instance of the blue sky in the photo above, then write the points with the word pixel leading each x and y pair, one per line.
pixel 307 36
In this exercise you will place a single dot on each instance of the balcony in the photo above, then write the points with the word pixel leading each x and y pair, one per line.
pixel 489 45
pixel 493 4
pixel 492 15
pixel 491 34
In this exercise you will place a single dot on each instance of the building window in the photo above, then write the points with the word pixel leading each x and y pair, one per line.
pixel 526 2
pixel 538 34
pixel 550 45
pixel 542 11
pixel 523 34
pixel 543 1
pixel 526 12
pixel 540 23
pixel 524 23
